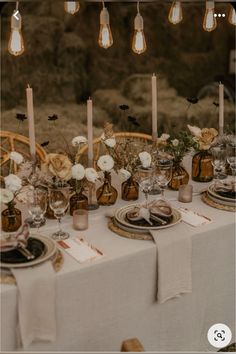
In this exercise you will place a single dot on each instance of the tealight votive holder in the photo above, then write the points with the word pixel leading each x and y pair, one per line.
pixel 185 193
pixel 80 219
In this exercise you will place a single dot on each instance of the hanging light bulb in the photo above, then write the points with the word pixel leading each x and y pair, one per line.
pixel 139 43
pixel 16 42
pixel 105 39
pixel 71 7
pixel 232 16
pixel 209 22
pixel 175 14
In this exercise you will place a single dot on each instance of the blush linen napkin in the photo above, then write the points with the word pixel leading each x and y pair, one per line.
pixel 174 268
pixel 36 303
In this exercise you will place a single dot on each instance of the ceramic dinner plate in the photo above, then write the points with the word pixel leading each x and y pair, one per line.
pixel 120 216
pixel 222 199
pixel 45 248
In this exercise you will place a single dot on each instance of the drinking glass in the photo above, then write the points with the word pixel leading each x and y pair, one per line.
pixel 218 161
pixel 59 202
pixel 163 173
pixel 231 157
pixel 144 177
pixel 37 205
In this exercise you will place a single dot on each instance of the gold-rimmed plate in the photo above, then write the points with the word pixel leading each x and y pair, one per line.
pixel 120 216
pixel 48 250
pixel 221 198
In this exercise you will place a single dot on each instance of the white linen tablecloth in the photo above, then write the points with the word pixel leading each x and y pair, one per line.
pixel 99 304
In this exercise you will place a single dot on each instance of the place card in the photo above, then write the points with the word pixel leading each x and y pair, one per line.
pixel 192 218
pixel 80 250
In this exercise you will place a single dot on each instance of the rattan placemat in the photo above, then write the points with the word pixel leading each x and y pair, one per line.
pixel 57 265
pixel 137 236
pixel 216 205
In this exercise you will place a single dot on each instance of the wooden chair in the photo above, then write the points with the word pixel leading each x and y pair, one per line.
pixel 14 142
pixel 99 149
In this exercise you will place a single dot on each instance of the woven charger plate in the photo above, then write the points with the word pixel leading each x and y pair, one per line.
pixel 133 235
pixel 57 263
pixel 216 205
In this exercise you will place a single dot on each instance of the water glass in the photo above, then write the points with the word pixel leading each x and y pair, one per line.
pixel 37 205
pixel 144 177
pixel 59 202
pixel 231 157
pixel 163 173
pixel 218 161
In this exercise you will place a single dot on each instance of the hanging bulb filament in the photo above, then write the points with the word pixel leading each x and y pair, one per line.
pixel 209 22
pixel 16 42
pixel 175 14
pixel 232 16
pixel 139 43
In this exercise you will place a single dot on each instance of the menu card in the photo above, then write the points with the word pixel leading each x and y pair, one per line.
pixel 80 250
pixel 192 218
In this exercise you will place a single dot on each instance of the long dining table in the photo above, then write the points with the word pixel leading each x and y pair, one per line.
pixel 100 303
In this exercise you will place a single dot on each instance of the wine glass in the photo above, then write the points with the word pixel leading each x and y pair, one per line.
pixel 144 177
pixel 37 205
pixel 59 202
pixel 163 173
pixel 231 157
pixel 218 161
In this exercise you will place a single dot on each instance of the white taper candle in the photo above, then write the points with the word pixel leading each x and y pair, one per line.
pixel 90 131
pixel 154 107
pixel 30 115
pixel 221 108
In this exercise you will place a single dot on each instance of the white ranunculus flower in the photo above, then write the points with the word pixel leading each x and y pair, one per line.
pixel 194 130
pixel 78 171
pixel 145 159
pixel 124 174
pixel 6 196
pixel 105 163
pixel 13 182
pixel 91 174
pixel 164 137
pixel 110 142
pixel 175 142
pixel 79 140
pixel 16 157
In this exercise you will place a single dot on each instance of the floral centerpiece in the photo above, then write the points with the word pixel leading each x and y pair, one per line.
pixel 11 216
pixel 177 147
pixel 202 168
pixel 127 156
pixel 106 194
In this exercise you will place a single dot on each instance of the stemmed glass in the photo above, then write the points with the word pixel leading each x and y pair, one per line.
pixel 37 205
pixel 144 177
pixel 59 202
pixel 218 161
pixel 231 157
pixel 163 173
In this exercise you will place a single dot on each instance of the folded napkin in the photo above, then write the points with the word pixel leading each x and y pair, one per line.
pixel 192 218
pixel 36 303
pixel 174 258
pixel 20 238
pixel 227 186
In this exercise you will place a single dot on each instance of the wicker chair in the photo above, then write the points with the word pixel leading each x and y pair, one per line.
pixel 99 149
pixel 15 142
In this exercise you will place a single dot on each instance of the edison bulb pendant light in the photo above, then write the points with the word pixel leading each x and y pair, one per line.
pixel 175 14
pixel 71 7
pixel 232 16
pixel 209 22
pixel 139 43
pixel 105 39
pixel 16 42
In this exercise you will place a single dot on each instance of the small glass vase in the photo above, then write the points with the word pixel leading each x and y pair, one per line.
pixel 202 168
pixel 11 219
pixel 130 190
pixel 78 201
pixel 179 176
pixel 106 194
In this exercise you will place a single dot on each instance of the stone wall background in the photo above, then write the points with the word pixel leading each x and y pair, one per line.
pixel 64 65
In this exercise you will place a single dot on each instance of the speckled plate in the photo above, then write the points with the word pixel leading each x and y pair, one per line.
pixel 120 216
pixel 221 198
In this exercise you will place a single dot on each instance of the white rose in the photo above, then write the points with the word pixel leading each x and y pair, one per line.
pixel 79 140
pixel 78 172
pixel 16 157
pixel 145 159
pixel 194 130
pixel 105 163
pixel 110 142
pixel 6 195
pixel 91 174
pixel 164 137
pixel 175 142
pixel 124 174
pixel 13 182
